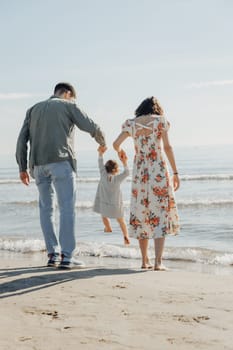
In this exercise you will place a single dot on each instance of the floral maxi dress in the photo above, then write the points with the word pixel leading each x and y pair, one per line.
pixel 153 212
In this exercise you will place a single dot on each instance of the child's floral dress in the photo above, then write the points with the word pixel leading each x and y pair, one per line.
pixel 153 212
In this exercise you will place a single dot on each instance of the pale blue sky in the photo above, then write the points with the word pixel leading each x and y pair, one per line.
pixel 116 53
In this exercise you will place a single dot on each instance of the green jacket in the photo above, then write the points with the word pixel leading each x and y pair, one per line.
pixel 49 128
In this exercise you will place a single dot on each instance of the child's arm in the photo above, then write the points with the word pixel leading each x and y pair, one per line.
pixel 101 150
pixel 125 173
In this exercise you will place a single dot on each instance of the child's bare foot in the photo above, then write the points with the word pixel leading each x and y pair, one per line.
pixel 126 240
pixel 107 229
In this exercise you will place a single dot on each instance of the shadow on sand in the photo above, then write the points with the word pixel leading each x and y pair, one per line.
pixel 43 277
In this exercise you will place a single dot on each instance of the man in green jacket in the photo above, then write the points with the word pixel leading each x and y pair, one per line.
pixel 49 128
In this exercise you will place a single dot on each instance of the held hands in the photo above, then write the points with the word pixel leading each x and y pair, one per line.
pixel 102 149
pixel 24 177
pixel 122 156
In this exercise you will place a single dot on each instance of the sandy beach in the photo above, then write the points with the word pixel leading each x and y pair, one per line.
pixel 112 308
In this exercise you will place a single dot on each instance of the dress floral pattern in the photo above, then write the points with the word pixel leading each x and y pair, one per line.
pixel 153 212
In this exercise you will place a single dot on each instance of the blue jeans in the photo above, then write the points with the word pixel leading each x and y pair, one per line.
pixel 61 178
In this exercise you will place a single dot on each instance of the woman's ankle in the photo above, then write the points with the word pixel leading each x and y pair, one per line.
pixel 158 262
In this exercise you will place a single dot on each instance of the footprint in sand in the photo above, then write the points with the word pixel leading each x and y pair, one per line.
pixel 183 318
pixel 171 340
pixel 125 313
pixel 35 311
pixel 25 338
pixel 54 314
pixel 119 286
pixel 198 319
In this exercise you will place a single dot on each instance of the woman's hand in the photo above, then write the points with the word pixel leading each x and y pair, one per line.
pixel 122 155
pixel 176 182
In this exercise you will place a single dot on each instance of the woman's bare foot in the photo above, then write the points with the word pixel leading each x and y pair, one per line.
pixel 160 267
pixel 147 264
pixel 107 229
pixel 126 240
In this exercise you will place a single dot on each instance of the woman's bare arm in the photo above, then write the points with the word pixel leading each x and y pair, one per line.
pixel 171 158
pixel 117 143
pixel 119 140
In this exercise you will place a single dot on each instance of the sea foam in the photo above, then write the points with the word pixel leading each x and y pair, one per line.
pixel 182 254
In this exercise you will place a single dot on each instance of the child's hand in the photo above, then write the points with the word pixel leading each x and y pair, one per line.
pixel 102 149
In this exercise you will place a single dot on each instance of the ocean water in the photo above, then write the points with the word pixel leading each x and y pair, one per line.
pixel 205 204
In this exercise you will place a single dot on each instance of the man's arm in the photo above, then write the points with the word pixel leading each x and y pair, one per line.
pixel 22 149
pixel 84 123
pixel 101 151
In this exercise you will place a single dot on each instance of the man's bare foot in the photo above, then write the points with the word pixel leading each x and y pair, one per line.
pixel 126 240
pixel 107 229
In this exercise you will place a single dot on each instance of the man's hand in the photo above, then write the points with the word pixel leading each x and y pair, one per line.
pixel 24 177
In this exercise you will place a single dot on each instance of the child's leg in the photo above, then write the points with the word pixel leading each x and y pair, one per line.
pixel 107 224
pixel 124 230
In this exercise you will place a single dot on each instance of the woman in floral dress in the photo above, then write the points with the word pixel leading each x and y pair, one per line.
pixel 153 212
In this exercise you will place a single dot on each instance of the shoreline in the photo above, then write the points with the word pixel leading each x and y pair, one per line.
pixel 39 258
pixel 115 308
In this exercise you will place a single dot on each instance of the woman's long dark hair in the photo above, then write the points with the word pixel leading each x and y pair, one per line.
pixel 149 106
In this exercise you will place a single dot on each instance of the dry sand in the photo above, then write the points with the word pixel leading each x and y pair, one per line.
pixel 113 308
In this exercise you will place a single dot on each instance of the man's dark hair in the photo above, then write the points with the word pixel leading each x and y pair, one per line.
pixel 60 88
